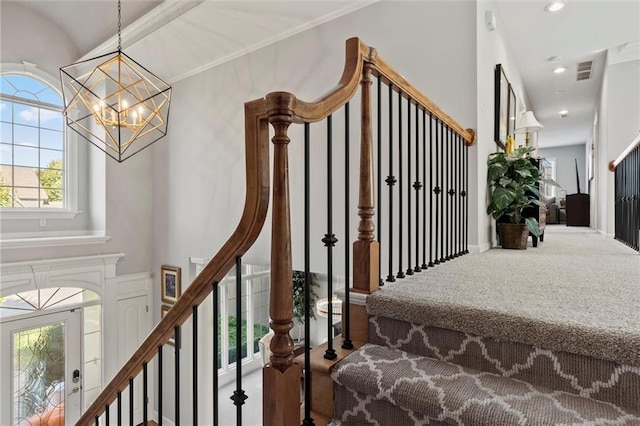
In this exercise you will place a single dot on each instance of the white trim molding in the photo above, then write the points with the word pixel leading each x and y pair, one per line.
pixel 53 239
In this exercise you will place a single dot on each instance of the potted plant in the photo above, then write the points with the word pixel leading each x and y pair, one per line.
pixel 298 298
pixel 514 180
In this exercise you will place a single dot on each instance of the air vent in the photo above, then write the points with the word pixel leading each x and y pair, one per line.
pixel 584 70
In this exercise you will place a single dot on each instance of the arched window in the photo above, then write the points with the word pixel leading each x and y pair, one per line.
pixel 33 149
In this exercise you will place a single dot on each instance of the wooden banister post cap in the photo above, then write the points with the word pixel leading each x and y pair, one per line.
pixel 612 166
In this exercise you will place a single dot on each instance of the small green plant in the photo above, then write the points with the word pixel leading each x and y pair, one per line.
pixel 513 179
pixel 298 295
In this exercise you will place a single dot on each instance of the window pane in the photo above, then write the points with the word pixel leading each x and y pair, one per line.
pixel 5 196
pixel 50 159
pixel 6 175
pixel 5 110
pixel 27 84
pixel 6 86
pixel 25 156
pixel 52 139
pixel 50 119
pixel 6 156
pixel 23 114
pixel 38 369
pixel 25 135
pixel 50 97
pixel 27 197
pixel 6 133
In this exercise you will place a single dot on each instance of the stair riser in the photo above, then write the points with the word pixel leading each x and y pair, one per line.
pixel 577 374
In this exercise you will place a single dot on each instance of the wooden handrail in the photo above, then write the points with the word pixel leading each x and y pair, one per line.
pixel 251 223
pixel 399 83
pixel 357 53
pixel 635 143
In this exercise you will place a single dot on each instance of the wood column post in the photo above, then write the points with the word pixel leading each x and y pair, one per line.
pixel 366 267
pixel 281 378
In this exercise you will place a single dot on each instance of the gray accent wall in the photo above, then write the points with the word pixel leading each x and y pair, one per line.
pixel 566 157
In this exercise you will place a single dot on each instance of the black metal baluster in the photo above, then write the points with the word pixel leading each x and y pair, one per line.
pixel 438 191
pixel 106 416
pixel 216 350
pixel 424 193
pixel 431 190
pixel 131 401
pixel 195 364
pixel 466 200
pixel 451 193
pixel 176 349
pixel 391 181
pixel 442 192
pixel 308 420
pixel 400 273
pixel 119 408
pixel 379 173
pixel 97 421
pixel 145 395
pixel 330 239
pixel 454 179
pixel 409 268
pixel 239 396
pixel 417 185
pixel 460 251
pixel 347 343
pixel 159 386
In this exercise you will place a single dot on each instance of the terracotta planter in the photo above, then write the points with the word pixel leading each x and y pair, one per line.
pixel 514 236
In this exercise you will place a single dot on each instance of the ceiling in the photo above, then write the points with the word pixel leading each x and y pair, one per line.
pixel 582 31
pixel 201 34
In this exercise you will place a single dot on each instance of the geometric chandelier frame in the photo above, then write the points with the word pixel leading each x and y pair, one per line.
pixel 115 103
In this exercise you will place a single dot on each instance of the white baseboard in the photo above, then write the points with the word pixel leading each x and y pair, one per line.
pixel 165 421
pixel 606 234
pixel 480 248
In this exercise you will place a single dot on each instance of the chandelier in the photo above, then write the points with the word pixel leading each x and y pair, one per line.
pixel 115 103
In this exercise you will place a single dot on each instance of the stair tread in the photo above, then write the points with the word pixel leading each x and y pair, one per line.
pixel 445 391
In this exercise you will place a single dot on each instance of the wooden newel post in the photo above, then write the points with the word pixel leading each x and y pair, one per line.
pixel 281 378
pixel 366 272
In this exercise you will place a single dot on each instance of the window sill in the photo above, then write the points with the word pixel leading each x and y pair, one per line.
pixel 17 214
pixel 11 242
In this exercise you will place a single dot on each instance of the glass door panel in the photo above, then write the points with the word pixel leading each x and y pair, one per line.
pixel 43 369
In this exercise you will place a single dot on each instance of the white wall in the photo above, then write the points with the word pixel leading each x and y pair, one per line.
pixel 619 124
pixel 199 174
pixel 566 168
pixel 116 198
pixel 29 36
pixel 492 49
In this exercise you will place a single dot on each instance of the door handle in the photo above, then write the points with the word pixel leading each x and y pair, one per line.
pixel 76 389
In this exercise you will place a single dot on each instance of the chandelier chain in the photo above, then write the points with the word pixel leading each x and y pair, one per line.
pixel 119 26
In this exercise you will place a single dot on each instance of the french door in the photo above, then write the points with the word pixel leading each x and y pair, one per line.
pixel 40 371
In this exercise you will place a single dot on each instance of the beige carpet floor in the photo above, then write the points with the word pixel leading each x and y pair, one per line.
pixel 578 291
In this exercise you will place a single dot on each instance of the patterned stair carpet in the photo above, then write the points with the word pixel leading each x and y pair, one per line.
pixel 386 386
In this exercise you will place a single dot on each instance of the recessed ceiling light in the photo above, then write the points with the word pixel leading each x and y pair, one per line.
pixel 554 58
pixel 554 7
pixel 563 113
pixel 561 92
pixel 559 70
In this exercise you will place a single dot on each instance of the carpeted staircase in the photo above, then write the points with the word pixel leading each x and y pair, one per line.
pixel 412 374
pixel 465 365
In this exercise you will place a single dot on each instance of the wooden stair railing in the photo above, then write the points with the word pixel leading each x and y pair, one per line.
pixel 248 229
pixel 627 195
pixel 281 376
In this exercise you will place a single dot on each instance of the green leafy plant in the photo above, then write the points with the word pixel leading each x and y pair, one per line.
pixel 259 330
pixel 51 180
pixel 513 179
pixel 298 295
